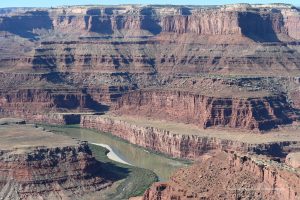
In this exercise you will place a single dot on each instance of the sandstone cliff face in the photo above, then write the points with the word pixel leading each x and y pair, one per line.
pixel 203 23
pixel 243 177
pixel 50 173
pixel 176 39
pixel 246 113
pixel 98 53
pixel 154 20
pixel 291 21
pixel 26 24
pixel 175 145
pixel 44 100
pixel 26 94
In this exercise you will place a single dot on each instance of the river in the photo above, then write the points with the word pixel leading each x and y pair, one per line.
pixel 139 157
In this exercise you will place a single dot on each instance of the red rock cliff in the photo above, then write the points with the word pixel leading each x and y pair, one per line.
pixel 52 173
pixel 175 145
pixel 242 177
pixel 177 39
pixel 204 111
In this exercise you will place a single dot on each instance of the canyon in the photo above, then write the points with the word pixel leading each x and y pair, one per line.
pixel 93 58
pixel 185 141
pixel 218 85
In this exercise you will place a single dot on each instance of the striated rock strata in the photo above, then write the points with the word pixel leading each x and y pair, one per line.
pixel 84 58
pixel 189 146
pixel 55 118
pixel 152 39
pixel 242 176
pixel 260 113
pixel 35 164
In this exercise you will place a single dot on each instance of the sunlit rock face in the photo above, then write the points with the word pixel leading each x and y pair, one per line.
pixel 242 176
pixel 86 58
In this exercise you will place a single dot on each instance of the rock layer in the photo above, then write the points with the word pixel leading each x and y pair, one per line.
pixel 242 176
pixel 85 58
pixel 49 173
pixel 261 113
pixel 177 38
pixel 173 144
pixel 35 164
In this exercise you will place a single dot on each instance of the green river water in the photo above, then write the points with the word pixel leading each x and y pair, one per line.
pixel 139 157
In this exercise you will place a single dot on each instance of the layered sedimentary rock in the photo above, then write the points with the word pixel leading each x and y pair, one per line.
pixel 190 146
pixel 242 176
pixel 25 95
pixel 261 113
pixel 176 39
pixel 49 173
pixel 85 58
pixel 37 164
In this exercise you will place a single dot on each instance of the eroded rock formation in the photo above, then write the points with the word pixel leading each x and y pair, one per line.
pixel 189 146
pixel 242 176
pixel 110 51
pixel 85 58
pixel 177 38
pixel 45 165
pixel 293 159
pixel 222 66
pixel 260 113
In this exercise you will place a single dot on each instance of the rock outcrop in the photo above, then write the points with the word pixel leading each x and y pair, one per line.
pixel 86 58
pixel 55 118
pixel 293 159
pixel 242 176
pixel 260 113
pixel 214 67
pixel 178 39
pixel 25 95
pixel 45 165
pixel 221 20
pixel 188 146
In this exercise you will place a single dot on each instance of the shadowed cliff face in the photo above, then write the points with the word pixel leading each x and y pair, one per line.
pixel 150 22
pixel 261 27
pixel 101 25
pixel 154 39
pixel 25 26
pixel 261 24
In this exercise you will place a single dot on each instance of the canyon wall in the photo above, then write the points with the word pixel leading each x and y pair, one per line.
pixel 254 178
pixel 44 100
pixel 154 20
pixel 178 39
pixel 53 118
pixel 50 173
pixel 23 94
pixel 172 144
pixel 85 58
pixel 261 113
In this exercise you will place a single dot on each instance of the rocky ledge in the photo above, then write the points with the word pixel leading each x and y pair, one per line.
pixel 243 177
pixel 35 164
pixel 253 113
pixel 186 141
